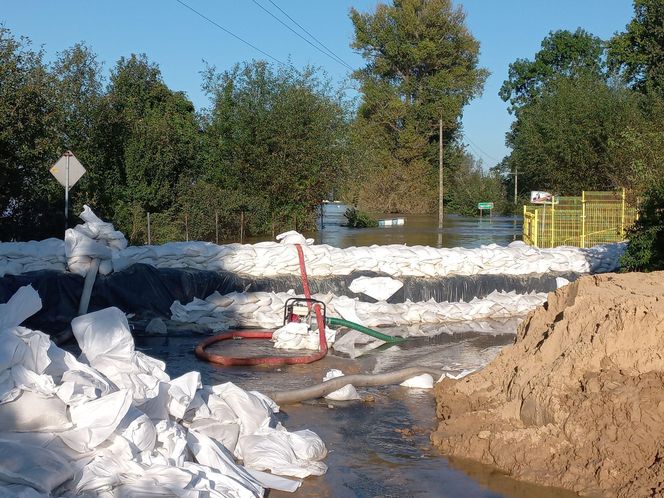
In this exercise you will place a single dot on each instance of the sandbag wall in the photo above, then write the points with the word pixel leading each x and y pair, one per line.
pixel 149 292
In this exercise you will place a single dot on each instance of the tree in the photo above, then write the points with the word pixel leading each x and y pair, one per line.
pixel 28 142
pixel 563 54
pixel 277 138
pixel 78 92
pixel 638 53
pixel 562 141
pixel 470 185
pixel 149 142
pixel 645 251
pixel 422 66
pixel 569 117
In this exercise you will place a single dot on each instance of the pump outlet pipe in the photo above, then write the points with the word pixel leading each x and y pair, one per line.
pixel 358 380
pixel 88 284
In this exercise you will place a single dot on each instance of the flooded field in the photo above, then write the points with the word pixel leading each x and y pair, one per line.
pixel 418 229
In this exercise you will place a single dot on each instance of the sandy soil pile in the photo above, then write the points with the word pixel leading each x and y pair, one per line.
pixel 578 400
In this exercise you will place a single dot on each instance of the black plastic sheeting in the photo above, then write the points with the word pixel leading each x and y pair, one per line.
pixel 148 292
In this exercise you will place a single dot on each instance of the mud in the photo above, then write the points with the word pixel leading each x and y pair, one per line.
pixel 578 400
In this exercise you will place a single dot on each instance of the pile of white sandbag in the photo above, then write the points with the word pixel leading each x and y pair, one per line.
pixel 17 258
pixel 267 259
pixel 98 239
pixel 113 423
pixel 94 239
pixel 265 309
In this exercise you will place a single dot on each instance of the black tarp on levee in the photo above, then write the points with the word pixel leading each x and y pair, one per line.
pixel 148 292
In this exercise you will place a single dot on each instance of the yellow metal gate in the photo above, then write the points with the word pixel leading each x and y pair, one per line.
pixel 593 218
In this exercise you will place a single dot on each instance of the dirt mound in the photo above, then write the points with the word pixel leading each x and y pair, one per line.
pixel 578 400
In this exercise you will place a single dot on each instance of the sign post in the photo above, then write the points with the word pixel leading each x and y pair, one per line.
pixel 485 205
pixel 67 171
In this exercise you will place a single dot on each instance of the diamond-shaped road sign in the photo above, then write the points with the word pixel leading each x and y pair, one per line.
pixel 59 170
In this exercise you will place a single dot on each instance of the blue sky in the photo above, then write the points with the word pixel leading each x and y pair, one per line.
pixel 179 41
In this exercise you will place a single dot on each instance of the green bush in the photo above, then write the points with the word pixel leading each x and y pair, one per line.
pixel 646 239
pixel 359 219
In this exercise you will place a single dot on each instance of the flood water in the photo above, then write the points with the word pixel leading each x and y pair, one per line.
pixel 418 229
pixel 379 446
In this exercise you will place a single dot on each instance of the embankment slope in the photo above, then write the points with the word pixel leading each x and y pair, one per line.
pixel 578 400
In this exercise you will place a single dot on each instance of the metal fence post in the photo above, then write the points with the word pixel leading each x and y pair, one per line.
pixel 524 228
pixel 553 220
pixel 216 227
pixel 622 216
pixel 583 218
pixel 536 230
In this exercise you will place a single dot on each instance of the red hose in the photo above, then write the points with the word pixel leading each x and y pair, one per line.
pixel 266 334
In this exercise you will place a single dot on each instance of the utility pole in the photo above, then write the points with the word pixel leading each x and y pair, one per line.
pixel 516 182
pixel 440 173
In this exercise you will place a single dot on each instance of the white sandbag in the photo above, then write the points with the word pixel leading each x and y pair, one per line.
pixel 307 445
pixel 23 304
pixel 34 466
pixel 181 392
pixel 297 335
pixel 225 433
pixel 346 393
pixel 137 428
pixel 78 382
pixel 424 381
pixel 271 449
pixel 96 420
pixel 380 288
pixel 171 442
pixel 212 454
pixel 251 411
pixel 30 412
pixel 274 482
pixel 102 334
pixel 78 244
pixel 293 237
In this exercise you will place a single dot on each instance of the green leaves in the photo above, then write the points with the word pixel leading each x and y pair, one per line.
pixel 278 135
pixel 421 66
pixel 638 53
pixel 563 54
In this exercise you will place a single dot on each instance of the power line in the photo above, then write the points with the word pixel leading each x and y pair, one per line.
pixel 475 146
pixel 333 57
pixel 230 32
pixel 311 35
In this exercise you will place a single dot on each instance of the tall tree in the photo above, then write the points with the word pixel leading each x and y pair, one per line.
pixel 563 54
pixel 78 93
pixel 276 139
pixel 567 114
pixel 422 66
pixel 28 142
pixel 148 143
pixel 639 51
pixel 562 141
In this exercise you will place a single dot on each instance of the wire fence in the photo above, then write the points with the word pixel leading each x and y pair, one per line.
pixel 584 221
pixel 216 226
